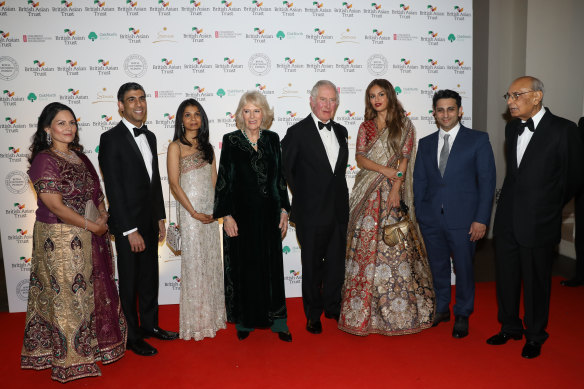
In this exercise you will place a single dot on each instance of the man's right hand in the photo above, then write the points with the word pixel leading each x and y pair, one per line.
pixel 136 242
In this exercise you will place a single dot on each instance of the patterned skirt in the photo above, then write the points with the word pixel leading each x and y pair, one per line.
pixel 60 328
pixel 387 290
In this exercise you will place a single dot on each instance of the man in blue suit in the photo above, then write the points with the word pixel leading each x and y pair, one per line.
pixel 454 183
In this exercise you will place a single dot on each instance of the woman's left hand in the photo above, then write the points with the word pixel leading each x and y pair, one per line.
pixel 283 223
pixel 393 199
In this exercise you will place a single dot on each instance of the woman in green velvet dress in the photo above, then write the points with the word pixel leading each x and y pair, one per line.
pixel 252 198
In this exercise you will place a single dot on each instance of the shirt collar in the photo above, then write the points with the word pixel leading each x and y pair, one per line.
pixel 129 125
pixel 537 117
pixel 453 131
pixel 316 120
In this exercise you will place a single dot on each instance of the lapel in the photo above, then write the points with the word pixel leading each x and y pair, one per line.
pixel 433 144
pixel 513 146
pixel 537 140
pixel 342 149
pixel 135 149
pixel 315 142
pixel 458 146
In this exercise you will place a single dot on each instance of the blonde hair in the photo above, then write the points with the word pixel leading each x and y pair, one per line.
pixel 260 101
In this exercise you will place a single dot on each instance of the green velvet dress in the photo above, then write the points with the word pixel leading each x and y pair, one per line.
pixel 252 189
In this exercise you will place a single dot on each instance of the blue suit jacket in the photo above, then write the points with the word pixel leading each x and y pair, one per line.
pixel 467 188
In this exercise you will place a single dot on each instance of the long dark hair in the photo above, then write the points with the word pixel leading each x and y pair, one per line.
pixel 395 118
pixel 39 139
pixel 202 137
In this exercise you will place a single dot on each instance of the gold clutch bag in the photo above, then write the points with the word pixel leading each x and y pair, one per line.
pixel 396 233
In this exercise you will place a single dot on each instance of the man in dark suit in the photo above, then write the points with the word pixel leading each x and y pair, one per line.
pixel 578 279
pixel 544 171
pixel 315 153
pixel 129 163
pixel 454 184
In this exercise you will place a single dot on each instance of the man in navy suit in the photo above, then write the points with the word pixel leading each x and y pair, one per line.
pixel 544 171
pixel 454 183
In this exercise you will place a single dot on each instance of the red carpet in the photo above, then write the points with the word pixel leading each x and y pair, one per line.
pixel 334 359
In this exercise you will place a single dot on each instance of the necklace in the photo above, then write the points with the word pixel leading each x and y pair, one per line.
pixel 70 156
pixel 253 144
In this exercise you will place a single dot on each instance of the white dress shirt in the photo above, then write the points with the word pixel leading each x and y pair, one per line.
pixel 144 147
pixel 330 142
pixel 523 139
pixel 453 132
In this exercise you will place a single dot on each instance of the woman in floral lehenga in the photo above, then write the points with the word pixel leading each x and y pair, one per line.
pixel 74 317
pixel 387 290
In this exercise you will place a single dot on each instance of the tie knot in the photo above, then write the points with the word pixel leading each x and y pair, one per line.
pixel 325 125
pixel 139 131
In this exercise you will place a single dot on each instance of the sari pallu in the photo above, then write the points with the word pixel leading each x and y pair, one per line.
pixel 387 290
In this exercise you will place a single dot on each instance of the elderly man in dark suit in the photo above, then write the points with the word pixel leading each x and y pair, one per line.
pixel 315 153
pixel 129 163
pixel 454 184
pixel 544 171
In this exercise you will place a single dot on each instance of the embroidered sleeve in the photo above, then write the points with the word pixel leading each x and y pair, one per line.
pixel 45 174
pixel 364 136
pixel 410 139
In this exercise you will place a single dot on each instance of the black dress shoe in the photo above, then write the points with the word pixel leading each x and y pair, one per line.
pixel 502 338
pixel 440 317
pixel 460 329
pixel 332 316
pixel 531 349
pixel 241 335
pixel 314 327
pixel 285 336
pixel 142 348
pixel 159 333
pixel 572 282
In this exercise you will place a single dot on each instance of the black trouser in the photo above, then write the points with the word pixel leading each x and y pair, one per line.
pixel 579 238
pixel 323 268
pixel 534 266
pixel 138 278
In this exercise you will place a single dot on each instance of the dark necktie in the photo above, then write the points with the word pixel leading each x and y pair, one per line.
pixel 528 124
pixel 328 125
pixel 140 131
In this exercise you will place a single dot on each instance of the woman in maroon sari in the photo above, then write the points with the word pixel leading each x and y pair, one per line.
pixel 73 317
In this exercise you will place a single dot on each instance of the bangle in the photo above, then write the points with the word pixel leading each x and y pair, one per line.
pixel 85 223
pixel 284 211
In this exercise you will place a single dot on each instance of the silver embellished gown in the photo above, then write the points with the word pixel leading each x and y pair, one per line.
pixel 202 296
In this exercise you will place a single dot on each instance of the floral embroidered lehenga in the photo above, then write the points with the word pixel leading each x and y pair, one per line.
pixel 387 290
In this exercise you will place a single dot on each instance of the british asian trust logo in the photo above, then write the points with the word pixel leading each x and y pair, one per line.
pixel 72 68
pixel 432 38
pixel 132 8
pixel 9 98
pixel 173 283
pixel 198 65
pixel 67 8
pixel 348 117
pixel 289 8
pixel 39 68
pixel 167 121
pixel 164 8
pixel 318 9
pixel 318 36
pixel 375 10
pixel 293 276
pixel 6 40
pixel 376 37
pixel 229 65
pixel 227 8
pixel 70 37
pixel 20 236
pixel 349 65
pixel 346 9
pixel 257 7
pixel 22 264
pixel 33 8
pixel 197 35
pixel 103 67
pixel 289 65
pixel 134 35
pixel 73 96
pixel 10 125
pixel 405 66
pixel 99 8
pixel 14 154
pixel 319 65
pixel 166 66
pixel 199 93
pixel 195 8
pixel 432 66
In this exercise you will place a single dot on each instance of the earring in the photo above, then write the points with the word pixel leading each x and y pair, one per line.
pixel 183 126
pixel 49 139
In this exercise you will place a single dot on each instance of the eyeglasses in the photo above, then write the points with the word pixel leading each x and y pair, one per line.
pixel 515 95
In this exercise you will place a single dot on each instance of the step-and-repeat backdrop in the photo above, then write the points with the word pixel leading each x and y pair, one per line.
pixel 79 52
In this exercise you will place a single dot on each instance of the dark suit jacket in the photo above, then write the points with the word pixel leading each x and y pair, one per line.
pixel 319 195
pixel 134 200
pixel 467 188
pixel 533 194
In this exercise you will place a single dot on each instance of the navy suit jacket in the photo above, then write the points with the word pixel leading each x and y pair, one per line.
pixel 467 188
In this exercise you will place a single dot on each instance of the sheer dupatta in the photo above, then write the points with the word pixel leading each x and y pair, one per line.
pixel 110 323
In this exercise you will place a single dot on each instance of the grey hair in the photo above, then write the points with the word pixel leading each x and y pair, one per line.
pixel 537 85
pixel 321 83
pixel 259 100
